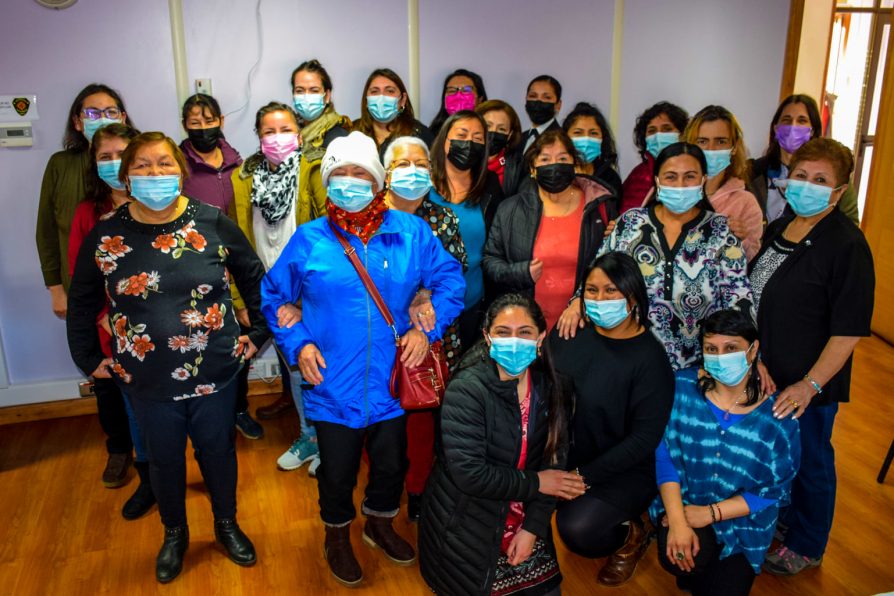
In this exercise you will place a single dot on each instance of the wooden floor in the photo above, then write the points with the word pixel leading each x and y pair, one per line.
pixel 61 532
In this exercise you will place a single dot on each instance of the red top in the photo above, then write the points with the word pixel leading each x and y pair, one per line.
pixel 638 184
pixel 497 164
pixel 516 515
pixel 557 245
pixel 85 218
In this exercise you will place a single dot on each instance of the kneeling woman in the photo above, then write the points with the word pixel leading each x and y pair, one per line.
pixel 725 465
pixel 624 391
pixel 485 526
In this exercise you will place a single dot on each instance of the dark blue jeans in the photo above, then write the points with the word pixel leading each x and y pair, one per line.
pixel 809 517
pixel 209 421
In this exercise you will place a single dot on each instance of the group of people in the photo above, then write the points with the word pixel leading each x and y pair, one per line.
pixel 661 356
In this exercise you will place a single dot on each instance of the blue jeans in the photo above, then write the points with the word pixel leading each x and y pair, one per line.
pixel 307 427
pixel 809 517
pixel 138 447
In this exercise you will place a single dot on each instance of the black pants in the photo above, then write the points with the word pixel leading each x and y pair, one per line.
pixel 340 451
pixel 207 420
pixel 112 416
pixel 732 576
pixel 590 527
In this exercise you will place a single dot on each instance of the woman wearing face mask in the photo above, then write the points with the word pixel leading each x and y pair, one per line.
pixel 796 121
pixel 505 158
pixel 107 194
pixel 386 112
pixel 595 144
pixel 623 388
pixel 463 90
pixel 463 183
pixel 813 286
pixel 717 133
pixel 543 101
pixel 348 358
pixel 210 158
pixel 63 188
pixel 164 261
pixel 485 525
pixel 542 239
pixel 656 128
pixel 691 263
pixel 408 179
pixel 724 466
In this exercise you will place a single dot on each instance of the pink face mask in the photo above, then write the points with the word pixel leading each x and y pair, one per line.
pixel 277 147
pixel 460 100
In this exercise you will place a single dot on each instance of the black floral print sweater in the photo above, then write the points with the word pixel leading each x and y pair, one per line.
pixel 174 328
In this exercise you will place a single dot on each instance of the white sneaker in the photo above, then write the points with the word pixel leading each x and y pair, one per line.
pixel 312 468
pixel 301 452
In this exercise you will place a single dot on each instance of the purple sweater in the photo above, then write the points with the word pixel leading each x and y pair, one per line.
pixel 207 184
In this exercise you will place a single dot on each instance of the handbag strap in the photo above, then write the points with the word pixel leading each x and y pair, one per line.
pixel 351 253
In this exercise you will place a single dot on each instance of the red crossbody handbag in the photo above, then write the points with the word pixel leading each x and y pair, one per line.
pixel 420 387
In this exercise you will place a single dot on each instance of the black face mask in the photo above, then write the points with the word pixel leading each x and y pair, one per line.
pixel 465 154
pixel 496 142
pixel 540 112
pixel 555 177
pixel 204 140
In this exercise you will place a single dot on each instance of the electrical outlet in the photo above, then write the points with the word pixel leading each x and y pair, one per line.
pixel 85 389
pixel 274 369
pixel 203 86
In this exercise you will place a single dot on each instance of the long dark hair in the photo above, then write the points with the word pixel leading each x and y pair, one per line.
pixel 675 114
pixel 439 160
pixel 734 323
pixel 557 420
pixel 588 110
pixel 405 122
pixel 682 148
pixel 623 271
pixel 75 139
pixel 774 152
pixel 442 114
pixel 98 192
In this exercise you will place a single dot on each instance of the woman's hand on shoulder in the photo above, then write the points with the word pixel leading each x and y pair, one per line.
pixel 570 320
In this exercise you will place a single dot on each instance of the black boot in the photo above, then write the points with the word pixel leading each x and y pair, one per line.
pixel 143 499
pixel 169 561
pixel 239 548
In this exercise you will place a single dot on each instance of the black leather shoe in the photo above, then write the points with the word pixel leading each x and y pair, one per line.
pixel 239 548
pixel 143 499
pixel 169 561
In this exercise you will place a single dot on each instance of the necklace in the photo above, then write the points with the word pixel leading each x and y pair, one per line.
pixel 726 411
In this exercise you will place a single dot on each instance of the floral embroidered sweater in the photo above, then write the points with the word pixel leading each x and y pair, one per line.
pixel 173 323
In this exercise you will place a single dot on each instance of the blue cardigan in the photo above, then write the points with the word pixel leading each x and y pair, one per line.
pixel 758 454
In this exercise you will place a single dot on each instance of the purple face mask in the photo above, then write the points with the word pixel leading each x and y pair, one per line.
pixel 791 137
pixel 459 101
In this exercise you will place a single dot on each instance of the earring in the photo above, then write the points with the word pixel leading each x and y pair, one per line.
pixel 538 351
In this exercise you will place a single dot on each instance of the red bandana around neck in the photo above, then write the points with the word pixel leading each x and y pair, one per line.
pixel 364 223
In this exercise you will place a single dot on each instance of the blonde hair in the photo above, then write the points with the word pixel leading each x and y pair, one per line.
pixel 738 167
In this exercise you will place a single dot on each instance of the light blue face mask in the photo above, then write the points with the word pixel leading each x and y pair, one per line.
pixel 513 354
pixel 658 141
pixel 108 173
pixel 679 199
pixel 807 198
pixel 309 105
pixel 589 148
pixel 350 194
pixel 728 369
pixel 410 182
pixel 91 126
pixel 607 314
pixel 717 161
pixel 382 107
pixel 155 192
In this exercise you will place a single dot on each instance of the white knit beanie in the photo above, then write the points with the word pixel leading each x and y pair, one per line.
pixel 356 149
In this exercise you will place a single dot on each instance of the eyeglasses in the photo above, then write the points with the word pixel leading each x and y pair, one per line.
pixel 464 89
pixel 96 113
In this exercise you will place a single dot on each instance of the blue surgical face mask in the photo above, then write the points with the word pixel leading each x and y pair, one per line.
pixel 309 105
pixel 410 182
pixel 350 194
pixel 717 161
pixel 513 354
pixel 155 192
pixel 108 172
pixel 607 314
pixel 728 369
pixel 807 198
pixel 589 148
pixel 382 107
pixel 679 199
pixel 658 141
pixel 91 126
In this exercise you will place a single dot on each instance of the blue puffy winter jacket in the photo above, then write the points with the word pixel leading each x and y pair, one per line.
pixel 341 319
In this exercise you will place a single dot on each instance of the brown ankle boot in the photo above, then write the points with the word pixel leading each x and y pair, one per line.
pixel 379 533
pixel 619 567
pixel 282 405
pixel 340 556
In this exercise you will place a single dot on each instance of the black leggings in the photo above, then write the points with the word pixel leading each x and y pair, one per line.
pixel 590 527
pixel 112 416
pixel 732 576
